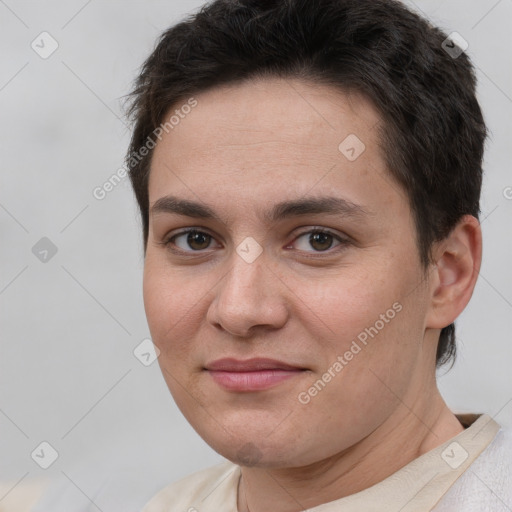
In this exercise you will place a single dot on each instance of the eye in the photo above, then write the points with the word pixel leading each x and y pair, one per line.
pixel 320 239
pixel 195 240
pixel 192 238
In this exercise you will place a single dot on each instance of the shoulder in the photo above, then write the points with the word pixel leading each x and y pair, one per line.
pixel 194 488
pixel 496 460
pixel 487 483
pixel 22 495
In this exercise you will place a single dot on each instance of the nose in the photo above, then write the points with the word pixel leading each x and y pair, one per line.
pixel 250 297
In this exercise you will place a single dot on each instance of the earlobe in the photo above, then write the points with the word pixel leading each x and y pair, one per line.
pixel 458 260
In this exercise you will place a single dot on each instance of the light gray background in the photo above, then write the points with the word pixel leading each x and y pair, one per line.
pixel 69 326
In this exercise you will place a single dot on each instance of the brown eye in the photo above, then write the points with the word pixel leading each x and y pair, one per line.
pixel 198 240
pixel 195 240
pixel 320 240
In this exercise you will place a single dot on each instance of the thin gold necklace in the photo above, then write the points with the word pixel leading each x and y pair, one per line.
pixel 246 502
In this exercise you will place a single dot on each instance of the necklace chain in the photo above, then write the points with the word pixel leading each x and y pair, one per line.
pixel 246 502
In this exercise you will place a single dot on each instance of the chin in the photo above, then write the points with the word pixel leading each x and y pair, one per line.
pixel 255 449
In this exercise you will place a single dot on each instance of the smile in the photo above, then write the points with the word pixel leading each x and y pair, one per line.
pixel 251 375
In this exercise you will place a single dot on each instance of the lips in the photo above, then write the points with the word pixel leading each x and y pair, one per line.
pixel 251 375
pixel 250 365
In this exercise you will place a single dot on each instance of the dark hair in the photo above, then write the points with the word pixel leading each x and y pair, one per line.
pixel 433 132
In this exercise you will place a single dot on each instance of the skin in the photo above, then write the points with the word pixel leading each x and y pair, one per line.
pixel 244 148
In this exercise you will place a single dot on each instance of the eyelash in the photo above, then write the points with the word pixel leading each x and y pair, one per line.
pixel 343 241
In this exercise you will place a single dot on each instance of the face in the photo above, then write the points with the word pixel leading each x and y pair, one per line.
pixel 287 323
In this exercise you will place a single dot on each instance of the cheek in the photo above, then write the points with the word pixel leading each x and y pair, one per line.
pixel 170 305
pixel 369 321
pixel 342 305
pixel 170 312
pixel 158 302
pixel 378 351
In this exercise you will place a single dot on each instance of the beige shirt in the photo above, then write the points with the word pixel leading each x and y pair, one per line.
pixel 416 487
pixel 21 495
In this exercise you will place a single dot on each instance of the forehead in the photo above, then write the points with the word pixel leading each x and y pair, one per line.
pixel 271 110
pixel 273 139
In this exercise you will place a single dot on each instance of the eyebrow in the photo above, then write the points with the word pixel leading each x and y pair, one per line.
pixel 292 208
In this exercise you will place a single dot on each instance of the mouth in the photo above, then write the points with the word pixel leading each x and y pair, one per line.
pixel 251 375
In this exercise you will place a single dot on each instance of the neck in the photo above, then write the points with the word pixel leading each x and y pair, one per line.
pixel 406 434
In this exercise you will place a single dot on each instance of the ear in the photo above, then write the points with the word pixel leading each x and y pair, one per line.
pixel 458 258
